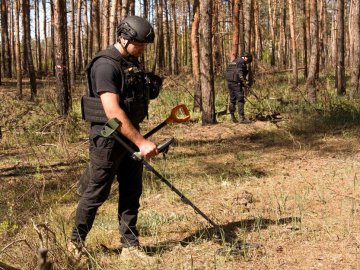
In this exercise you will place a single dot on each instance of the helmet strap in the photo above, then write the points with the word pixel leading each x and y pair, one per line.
pixel 124 44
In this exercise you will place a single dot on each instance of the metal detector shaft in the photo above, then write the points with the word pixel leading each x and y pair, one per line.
pixel 110 128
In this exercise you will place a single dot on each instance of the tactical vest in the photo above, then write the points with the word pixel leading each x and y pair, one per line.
pixel 134 95
pixel 233 72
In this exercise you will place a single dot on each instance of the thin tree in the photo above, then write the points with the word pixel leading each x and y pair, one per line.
pixel 5 40
pixel 195 54
pixel 314 53
pixel 206 63
pixel 78 50
pixel 61 63
pixel 95 26
pixel 340 66
pixel 37 39
pixel 105 13
pixel 174 48
pixel 234 52
pixel 46 59
pixel 258 34
pixel 292 13
pixel 27 45
pixel 17 49
pixel 71 37
pixel 355 73
pixel 273 28
pixel 112 22
pixel 305 38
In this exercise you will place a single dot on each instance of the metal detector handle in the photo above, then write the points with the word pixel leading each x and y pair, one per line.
pixel 173 118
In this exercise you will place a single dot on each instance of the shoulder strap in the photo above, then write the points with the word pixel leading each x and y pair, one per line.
pixel 112 54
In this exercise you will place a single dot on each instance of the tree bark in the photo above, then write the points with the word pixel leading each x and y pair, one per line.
pixel 72 44
pixel 5 41
pixel 78 50
pixel 28 55
pixel 105 13
pixel 60 24
pixel 314 34
pixel 340 67
pixel 113 22
pixel 17 50
pixel 234 52
pixel 292 12
pixel 305 39
pixel 355 73
pixel 174 48
pixel 46 59
pixel 195 55
pixel 206 63
pixel 258 35
pixel 95 24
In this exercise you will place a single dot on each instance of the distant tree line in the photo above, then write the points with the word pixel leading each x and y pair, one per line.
pixel 57 38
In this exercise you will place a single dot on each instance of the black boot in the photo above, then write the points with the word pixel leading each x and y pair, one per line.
pixel 243 120
pixel 233 118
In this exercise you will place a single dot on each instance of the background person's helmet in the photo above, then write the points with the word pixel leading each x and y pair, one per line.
pixel 248 55
pixel 135 28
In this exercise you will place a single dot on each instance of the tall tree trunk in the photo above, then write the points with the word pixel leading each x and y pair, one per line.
pixel 323 33
pixel 314 34
pixel 124 9
pixel 60 56
pixel 78 50
pixel 37 39
pixel 17 50
pixel 52 37
pixel 167 34
pixel 206 63
pixel 340 67
pixel 72 44
pixel 305 39
pixel 87 38
pixel 273 28
pixel 234 52
pixel 95 24
pixel 355 74
pixel 248 17
pixel 258 35
pixel 216 38
pixel 113 22
pixel 195 55
pixel 292 13
pixel 160 44
pixel 105 24
pixel 174 49
pixel 5 40
pixel 30 65
pixel 46 59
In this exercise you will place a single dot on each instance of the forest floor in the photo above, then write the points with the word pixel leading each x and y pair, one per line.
pixel 285 197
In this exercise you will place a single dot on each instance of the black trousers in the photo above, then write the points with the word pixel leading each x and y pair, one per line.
pixel 237 95
pixel 107 159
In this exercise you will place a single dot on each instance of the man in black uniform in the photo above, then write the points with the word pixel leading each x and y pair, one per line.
pixel 120 85
pixel 236 77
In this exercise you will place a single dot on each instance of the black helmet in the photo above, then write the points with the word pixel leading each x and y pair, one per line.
pixel 135 28
pixel 248 55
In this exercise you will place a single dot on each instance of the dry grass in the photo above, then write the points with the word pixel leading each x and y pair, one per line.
pixel 292 195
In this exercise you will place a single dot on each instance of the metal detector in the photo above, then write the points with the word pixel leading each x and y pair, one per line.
pixel 110 129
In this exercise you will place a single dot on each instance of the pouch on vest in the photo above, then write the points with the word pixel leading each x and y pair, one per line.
pixel 231 73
